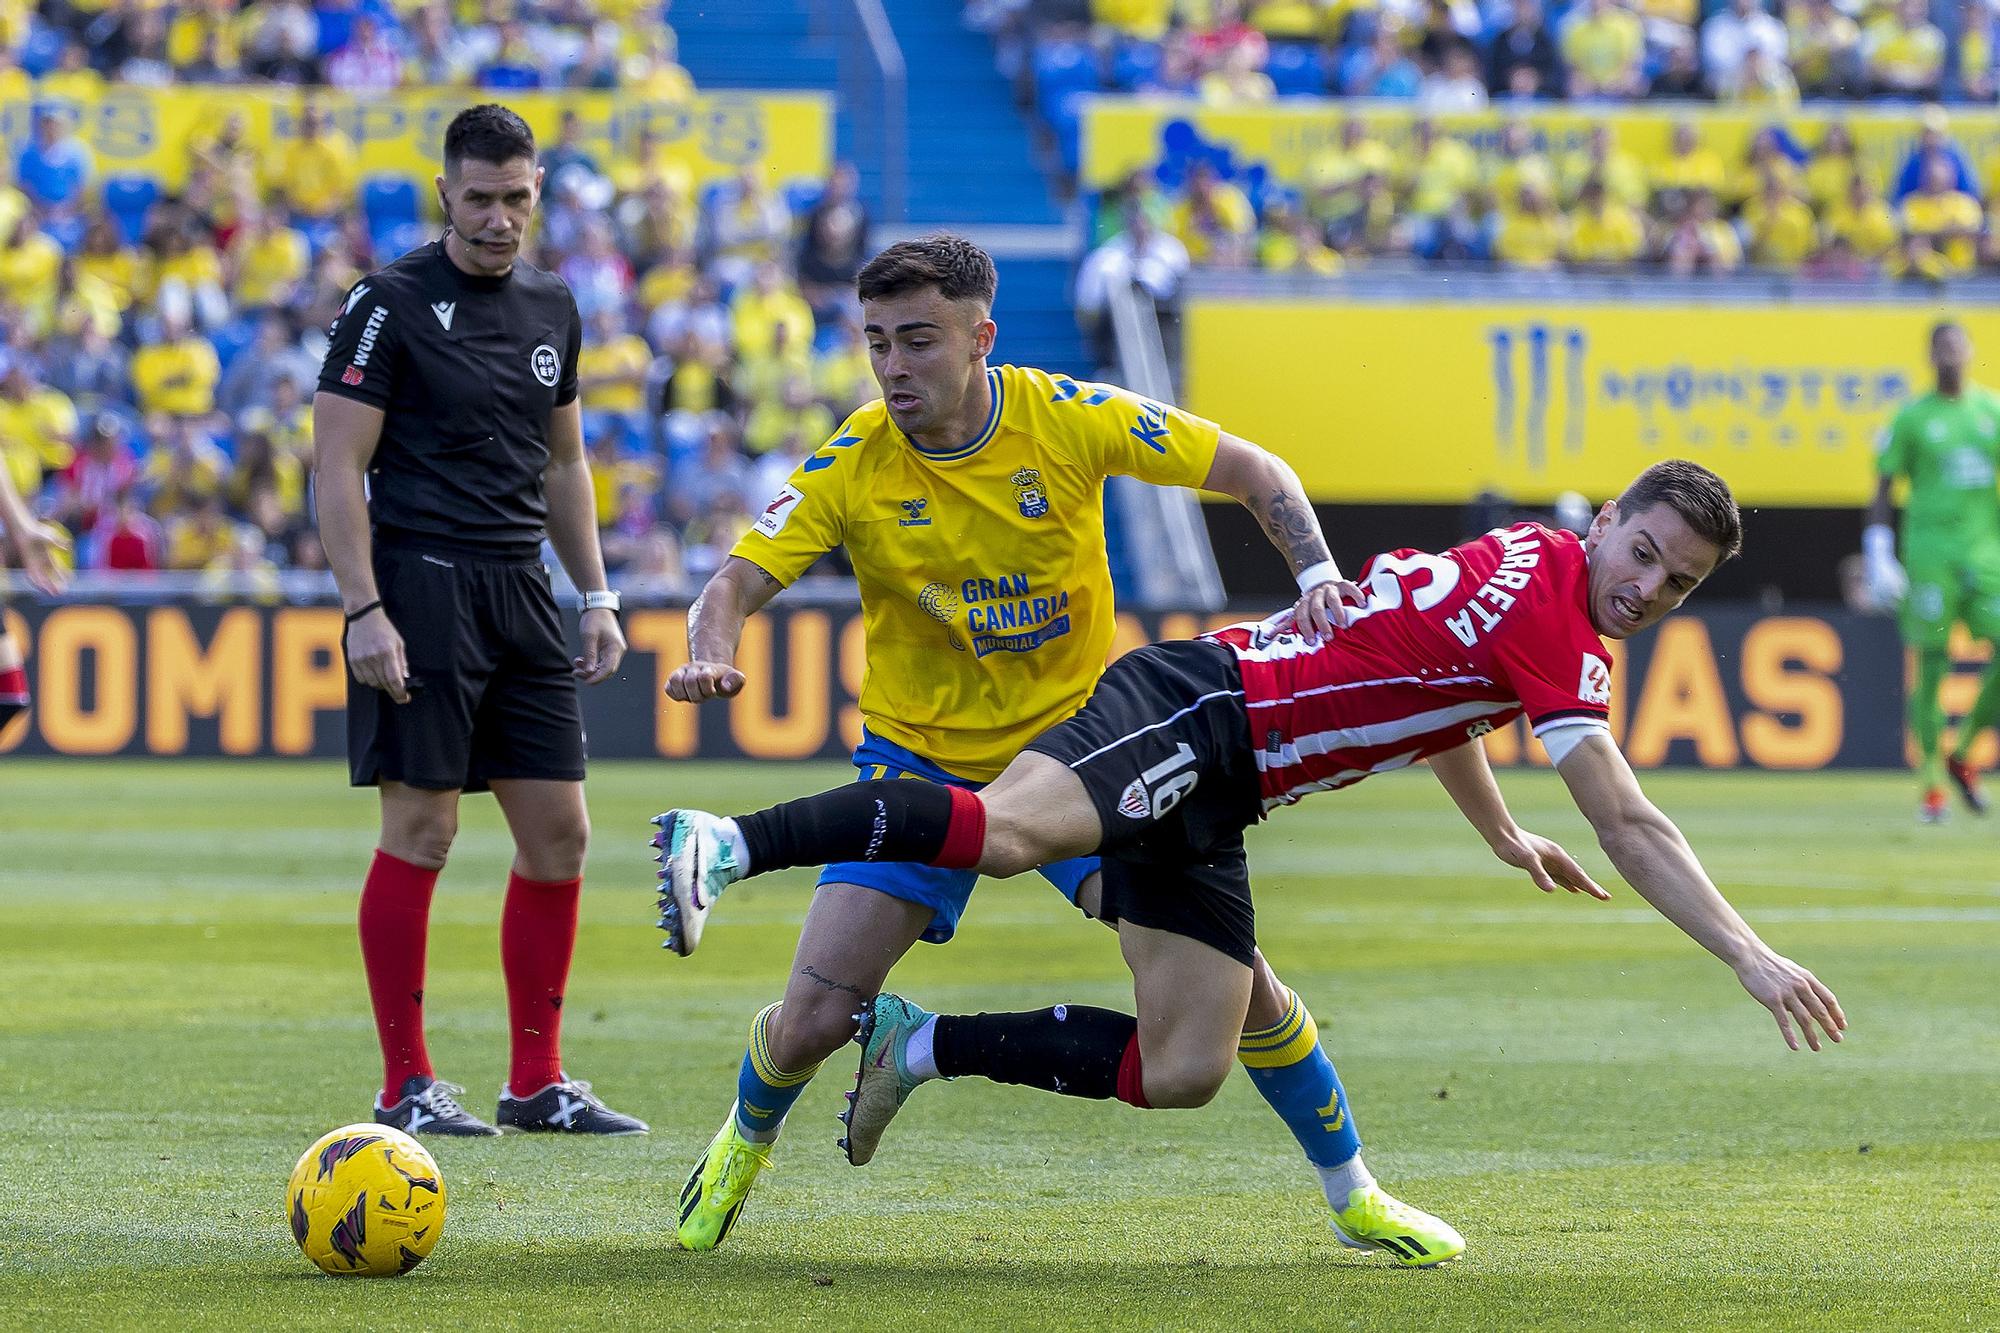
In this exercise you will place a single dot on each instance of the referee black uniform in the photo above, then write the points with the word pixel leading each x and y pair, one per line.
pixel 466 370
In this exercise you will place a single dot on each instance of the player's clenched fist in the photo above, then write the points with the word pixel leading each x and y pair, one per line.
pixel 693 682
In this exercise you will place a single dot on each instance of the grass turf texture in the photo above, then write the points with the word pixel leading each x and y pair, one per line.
pixel 1613 1124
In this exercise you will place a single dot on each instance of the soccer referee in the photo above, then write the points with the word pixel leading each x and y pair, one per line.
pixel 449 439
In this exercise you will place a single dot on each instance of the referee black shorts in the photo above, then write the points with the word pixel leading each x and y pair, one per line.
pixel 1163 748
pixel 491 694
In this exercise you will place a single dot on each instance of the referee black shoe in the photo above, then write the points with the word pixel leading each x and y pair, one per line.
pixel 431 1107
pixel 568 1107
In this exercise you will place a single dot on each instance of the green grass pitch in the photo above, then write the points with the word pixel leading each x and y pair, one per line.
pixel 1615 1127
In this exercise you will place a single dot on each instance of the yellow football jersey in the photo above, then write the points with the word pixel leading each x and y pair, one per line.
pixel 985 589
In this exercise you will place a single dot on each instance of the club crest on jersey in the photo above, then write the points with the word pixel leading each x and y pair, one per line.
pixel 547 365
pixel 1132 801
pixel 913 514
pixel 1595 686
pixel 1030 494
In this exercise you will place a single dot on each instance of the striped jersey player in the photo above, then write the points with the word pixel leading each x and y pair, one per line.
pixel 1184 745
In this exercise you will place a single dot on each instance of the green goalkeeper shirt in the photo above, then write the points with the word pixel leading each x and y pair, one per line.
pixel 1949 448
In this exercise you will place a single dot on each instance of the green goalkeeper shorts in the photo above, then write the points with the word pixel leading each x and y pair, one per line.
pixel 1950 584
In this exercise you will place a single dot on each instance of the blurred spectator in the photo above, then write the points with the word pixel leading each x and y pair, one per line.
pixel 1380 67
pixel 282 42
pixel 749 225
pixel 56 167
pixel 1833 166
pixel 833 245
pixel 1143 256
pixel 611 372
pixel 1238 78
pixel 1532 234
pixel 443 55
pixel 1604 232
pixel 1699 240
pixel 1456 86
pixel 176 374
pixel 1778 228
pixel 766 303
pixel 1604 45
pixel 240 571
pixel 1215 221
pixel 102 470
pixel 1941 222
pixel 655 568
pixel 1934 141
pixel 1729 38
pixel 1617 171
pixel 567 154
pixel 599 277
pixel 273 358
pixel 129 538
pixel 1825 48
pixel 371 60
pixel 185 469
pixel 30 263
pixel 38 419
pixel 1690 167
pixel 197 537
pixel 1765 83
pixel 315 174
pixel 1523 61
pixel 1903 52
pixel 1863 222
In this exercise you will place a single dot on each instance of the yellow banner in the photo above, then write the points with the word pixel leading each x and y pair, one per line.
pixel 146 131
pixel 1124 134
pixel 1436 401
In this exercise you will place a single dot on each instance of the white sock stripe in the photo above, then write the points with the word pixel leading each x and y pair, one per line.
pixel 1427 681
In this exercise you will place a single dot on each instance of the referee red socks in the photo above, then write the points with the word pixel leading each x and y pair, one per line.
pixel 537 939
pixel 884 819
pixel 395 922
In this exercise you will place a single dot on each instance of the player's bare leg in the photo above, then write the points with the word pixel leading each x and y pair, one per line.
pixel 551 828
pixel 418 826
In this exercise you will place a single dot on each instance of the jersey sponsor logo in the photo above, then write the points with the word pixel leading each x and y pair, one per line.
pixel 1029 494
pixel 364 347
pixel 546 365
pixel 938 602
pixel 444 310
pixel 777 513
pixel 352 375
pixel 913 514
pixel 1496 596
pixel 1151 427
pixel 1595 685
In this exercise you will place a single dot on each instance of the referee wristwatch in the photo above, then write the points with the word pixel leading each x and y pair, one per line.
pixel 604 599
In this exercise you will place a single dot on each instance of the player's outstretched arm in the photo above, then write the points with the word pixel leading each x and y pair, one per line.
pixel 1468 779
pixel 35 541
pixel 732 595
pixel 345 434
pixel 1657 861
pixel 1266 485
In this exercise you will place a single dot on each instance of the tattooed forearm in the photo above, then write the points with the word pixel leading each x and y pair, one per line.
pixel 812 974
pixel 1288 520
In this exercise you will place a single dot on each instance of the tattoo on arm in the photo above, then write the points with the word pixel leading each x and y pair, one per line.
pixel 813 974
pixel 1292 527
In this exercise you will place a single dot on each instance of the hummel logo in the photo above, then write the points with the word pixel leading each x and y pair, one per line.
pixel 566 1109
pixel 444 310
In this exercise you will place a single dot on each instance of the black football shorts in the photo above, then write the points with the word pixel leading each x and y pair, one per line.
pixel 1163 748
pixel 491 694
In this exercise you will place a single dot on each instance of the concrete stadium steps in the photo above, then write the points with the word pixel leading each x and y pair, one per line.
pixel 1033 312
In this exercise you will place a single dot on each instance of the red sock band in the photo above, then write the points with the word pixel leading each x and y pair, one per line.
pixel 537 939
pixel 1131 1079
pixel 965 835
pixel 395 921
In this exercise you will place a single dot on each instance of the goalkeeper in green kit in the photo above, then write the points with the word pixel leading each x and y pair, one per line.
pixel 1947 444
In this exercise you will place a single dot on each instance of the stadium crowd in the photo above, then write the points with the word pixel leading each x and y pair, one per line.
pixel 1818 210
pixel 160 353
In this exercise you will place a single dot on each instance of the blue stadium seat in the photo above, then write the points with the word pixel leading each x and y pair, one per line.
pixel 1297 69
pixel 801 195
pixel 1062 68
pixel 387 200
pixel 232 338
pixel 1134 64
pixel 126 199
pixel 42 51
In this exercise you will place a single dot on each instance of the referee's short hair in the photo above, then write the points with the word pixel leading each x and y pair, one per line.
pixel 487 133
pixel 960 270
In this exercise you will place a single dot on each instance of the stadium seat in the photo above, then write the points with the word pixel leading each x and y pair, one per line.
pixel 1297 69
pixel 1135 64
pixel 127 199
pixel 41 52
pixel 1062 68
pixel 386 200
pixel 802 195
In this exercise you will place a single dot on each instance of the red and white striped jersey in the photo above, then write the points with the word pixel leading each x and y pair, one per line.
pixel 1445 649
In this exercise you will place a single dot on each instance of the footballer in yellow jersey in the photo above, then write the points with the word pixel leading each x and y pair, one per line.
pixel 969 498
pixel 973 558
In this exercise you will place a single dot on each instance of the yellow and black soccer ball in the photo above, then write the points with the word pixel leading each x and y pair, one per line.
pixel 366 1201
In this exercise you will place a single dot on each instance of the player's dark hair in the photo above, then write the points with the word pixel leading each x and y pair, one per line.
pixel 1701 498
pixel 487 133
pixel 1942 327
pixel 960 270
